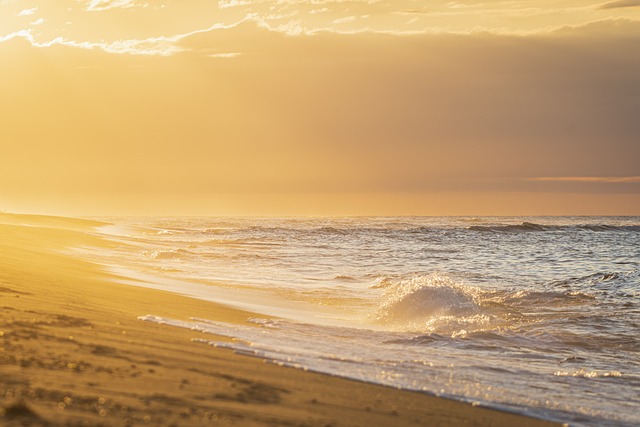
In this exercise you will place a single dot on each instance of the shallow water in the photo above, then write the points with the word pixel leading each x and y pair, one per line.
pixel 532 315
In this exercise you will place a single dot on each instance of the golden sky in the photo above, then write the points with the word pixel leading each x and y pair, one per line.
pixel 320 107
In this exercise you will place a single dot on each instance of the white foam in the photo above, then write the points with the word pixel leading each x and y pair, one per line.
pixel 437 303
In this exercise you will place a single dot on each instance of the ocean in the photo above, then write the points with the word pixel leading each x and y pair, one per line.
pixel 533 315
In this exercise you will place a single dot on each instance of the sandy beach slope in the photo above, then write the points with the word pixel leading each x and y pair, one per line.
pixel 72 352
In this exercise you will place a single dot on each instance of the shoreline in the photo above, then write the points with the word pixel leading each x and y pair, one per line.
pixel 73 352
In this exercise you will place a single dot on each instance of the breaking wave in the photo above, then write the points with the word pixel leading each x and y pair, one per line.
pixel 436 303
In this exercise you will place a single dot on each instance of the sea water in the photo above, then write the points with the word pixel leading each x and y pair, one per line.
pixel 538 316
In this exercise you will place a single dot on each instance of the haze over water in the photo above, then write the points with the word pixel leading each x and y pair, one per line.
pixel 537 315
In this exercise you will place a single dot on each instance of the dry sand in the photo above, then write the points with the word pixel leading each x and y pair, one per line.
pixel 72 352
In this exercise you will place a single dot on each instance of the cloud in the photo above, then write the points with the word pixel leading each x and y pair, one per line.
pixel 155 46
pixel 413 11
pixel 589 179
pixel 224 4
pixel 27 12
pixel 24 34
pixel 345 20
pixel 579 184
pixel 620 4
pixel 225 55
pixel 100 5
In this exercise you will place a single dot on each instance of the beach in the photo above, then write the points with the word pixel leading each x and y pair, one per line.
pixel 73 352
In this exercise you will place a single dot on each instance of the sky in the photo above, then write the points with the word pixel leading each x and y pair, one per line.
pixel 320 107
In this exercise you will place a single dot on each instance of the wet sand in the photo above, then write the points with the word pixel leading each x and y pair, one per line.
pixel 72 352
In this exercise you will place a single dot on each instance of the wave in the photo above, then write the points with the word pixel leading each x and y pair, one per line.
pixel 169 254
pixel 620 287
pixel 344 278
pixel 545 299
pixel 600 227
pixel 512 228
pixel 525 226
pixel 333 230
pixel 436 303
pixel 533 227
pixel 215 231
pixel 417 230
pixel 591 279
pixel 608 227
pixel 303 231
pixel 484 338
pixel 249 242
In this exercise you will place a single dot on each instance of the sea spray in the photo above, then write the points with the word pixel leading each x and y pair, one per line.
pixel 436 303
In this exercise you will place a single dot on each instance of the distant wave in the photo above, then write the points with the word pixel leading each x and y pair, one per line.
pixel 333 230
pixel 601 227
pixel 392 230
pixel 418 230
pixel 255 243
pixel 215 231
pixel 525 226
pixel 343 278
pixel 545 299
pixel 344 231
pixel 606 227
pixel 619 286
pixel 591 279
pixel 533 227
pixel 169 254
pixel 266 229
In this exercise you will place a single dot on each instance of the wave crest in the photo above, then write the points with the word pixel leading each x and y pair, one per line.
pixel 436 303
pixel 525 226
pixel 533 227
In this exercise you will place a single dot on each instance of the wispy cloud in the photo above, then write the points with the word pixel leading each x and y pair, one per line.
pixel 345 20
pixel 619 3
pixel 152 46
pixel 27 12
pixel 99 5
pixel 588 179
pixel 25 34
pixel 225 55
pixel 224 4
pixel 413 11
pixel 155 46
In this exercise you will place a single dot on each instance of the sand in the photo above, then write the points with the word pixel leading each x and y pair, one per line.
pixel 73 352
